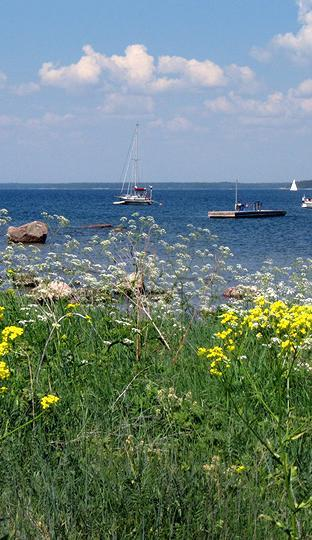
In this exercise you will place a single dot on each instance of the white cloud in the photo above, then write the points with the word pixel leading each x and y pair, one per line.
pixel 277 107
pixel 261 54
pixel 136 67
pixel 177 124
pixel 87 71
pixel 194 72
pixel 304 88
pixel 25 88
pixel 221 104
pixel 8 121
pixel 47 119
pixel 299 44
pixel 3 79
pixel 127 104
pixel 139 71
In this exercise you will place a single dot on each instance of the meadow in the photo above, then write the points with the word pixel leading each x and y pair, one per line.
pixel 147 406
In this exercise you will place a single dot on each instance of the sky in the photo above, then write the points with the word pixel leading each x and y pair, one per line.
pixel 222 89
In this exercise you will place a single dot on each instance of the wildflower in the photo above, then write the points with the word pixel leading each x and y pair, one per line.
pixel 4 371
pixel 4 348
pixel 239 469
pixel 12 332
pixel 3 389
pixel 217 358
pixel 48 400
pixel 73 306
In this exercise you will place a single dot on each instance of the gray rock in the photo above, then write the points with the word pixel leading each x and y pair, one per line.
pixel 55 290
pixel 30 233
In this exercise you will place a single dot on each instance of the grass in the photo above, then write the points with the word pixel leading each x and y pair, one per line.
pixel 150 447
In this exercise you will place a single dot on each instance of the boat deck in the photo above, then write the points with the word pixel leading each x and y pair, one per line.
pixel 240 214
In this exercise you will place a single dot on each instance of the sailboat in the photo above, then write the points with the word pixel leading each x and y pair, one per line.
pixel 293 186
pixel 131 192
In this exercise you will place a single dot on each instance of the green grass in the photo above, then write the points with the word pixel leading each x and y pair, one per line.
pixel 141 447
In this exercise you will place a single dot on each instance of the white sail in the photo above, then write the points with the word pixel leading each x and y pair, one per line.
pixel 293 186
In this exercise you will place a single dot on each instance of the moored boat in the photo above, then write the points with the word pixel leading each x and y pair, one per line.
pixel 131 192
pixel 306 202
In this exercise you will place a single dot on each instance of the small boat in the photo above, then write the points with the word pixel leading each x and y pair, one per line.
pixel 242 210
pixel 131 192
pixel 293 186
pixel 306 202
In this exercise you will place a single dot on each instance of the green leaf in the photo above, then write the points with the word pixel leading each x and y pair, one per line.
pixel 304 504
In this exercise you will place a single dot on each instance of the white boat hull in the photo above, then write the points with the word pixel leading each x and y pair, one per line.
pixel 133 200
pixel 306 204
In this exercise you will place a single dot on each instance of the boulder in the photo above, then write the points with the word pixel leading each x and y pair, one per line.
pixel 30 233
pixel 132 283
pixel 55 290
pixel 240 292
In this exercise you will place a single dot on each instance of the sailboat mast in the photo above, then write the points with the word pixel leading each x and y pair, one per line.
pixel 136 155
pixel 236 194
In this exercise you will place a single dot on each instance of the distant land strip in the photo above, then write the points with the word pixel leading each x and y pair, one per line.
pixel 301 184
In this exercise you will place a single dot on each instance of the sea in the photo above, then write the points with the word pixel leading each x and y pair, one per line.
pixel 252 241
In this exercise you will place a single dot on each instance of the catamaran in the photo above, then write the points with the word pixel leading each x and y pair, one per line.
pixel 131 192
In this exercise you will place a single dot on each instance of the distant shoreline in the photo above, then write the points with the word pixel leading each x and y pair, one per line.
pixel 161 185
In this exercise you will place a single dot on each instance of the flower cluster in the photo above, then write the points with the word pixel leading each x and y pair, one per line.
pixel 287 327
pixel 48 400
pixel 8 334
pixel 217 357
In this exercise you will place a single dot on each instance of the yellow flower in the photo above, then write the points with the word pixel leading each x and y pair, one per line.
pixel 239 469
pixel 48 400
pixel 3 389
pixel 12 332
pixel 4 371
pixel 224 334
pixel 73 306
pixel 4 348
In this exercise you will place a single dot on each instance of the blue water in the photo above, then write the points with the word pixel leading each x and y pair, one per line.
pixel 252 241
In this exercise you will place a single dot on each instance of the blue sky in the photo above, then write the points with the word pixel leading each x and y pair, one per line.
pixel 221 88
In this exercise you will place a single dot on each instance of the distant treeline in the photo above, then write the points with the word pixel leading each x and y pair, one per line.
pixel 302 184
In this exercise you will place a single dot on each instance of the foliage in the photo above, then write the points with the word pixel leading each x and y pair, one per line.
pixel 111 424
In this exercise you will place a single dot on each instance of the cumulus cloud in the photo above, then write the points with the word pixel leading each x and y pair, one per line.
pixel 304 88
pixel 136 67
pixel 278 106
pixel 298 45
pixel 137 70
pixel 205 73
pixel 86 71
